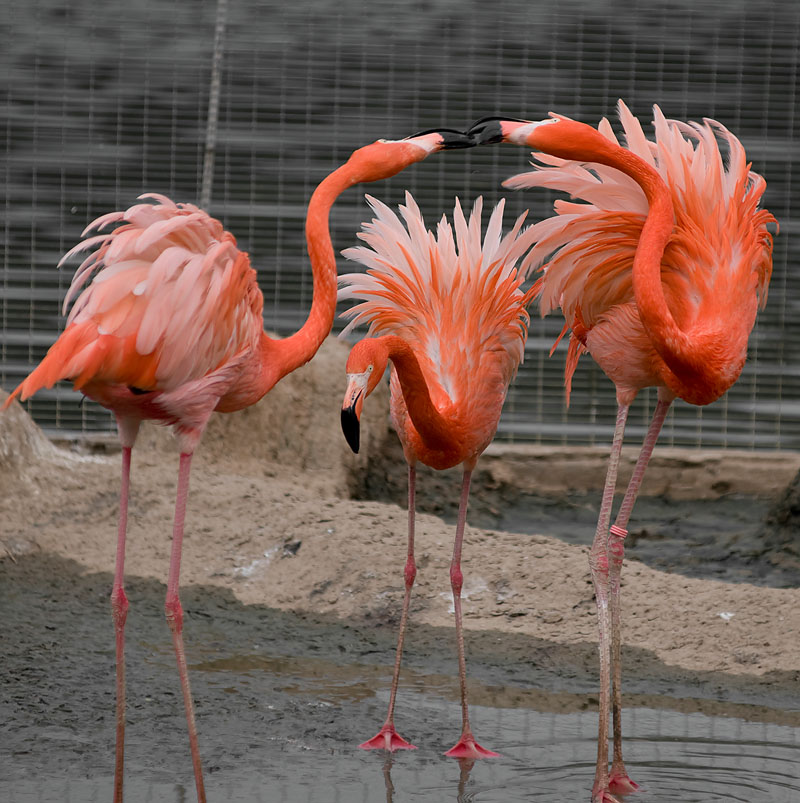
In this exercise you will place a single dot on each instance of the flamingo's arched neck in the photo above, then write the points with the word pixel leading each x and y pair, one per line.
pixel 371 163
pixel 281 357
pixel 693 369
pixel 433 427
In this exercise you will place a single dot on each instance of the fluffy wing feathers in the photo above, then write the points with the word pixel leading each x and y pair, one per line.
pixel 171 300
pixel 721 247
pixel 454 293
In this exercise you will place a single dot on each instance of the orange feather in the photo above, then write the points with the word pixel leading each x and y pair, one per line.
pixel 717 258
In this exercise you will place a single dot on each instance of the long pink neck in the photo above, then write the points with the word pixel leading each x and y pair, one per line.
pixel 371 163
pixel 435 430
pixel 297 349
pixel 688 359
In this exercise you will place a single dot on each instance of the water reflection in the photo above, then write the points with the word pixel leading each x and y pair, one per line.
pixel 675 757
pixel 387 777
pixel 466 765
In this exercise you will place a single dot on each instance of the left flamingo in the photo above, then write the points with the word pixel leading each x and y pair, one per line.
pixel 170 329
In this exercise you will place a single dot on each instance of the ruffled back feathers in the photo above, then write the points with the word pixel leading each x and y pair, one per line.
pixel 720 248
pixel 455 294
pixel 171 299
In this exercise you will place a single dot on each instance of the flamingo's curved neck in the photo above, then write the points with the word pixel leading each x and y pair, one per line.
pixel 690 375
pixel 299 348
pixel 433 427
pixel 365 164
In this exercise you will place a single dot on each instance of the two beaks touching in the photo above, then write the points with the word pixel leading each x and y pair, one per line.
pixel 361 381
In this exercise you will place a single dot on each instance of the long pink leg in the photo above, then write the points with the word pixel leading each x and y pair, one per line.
pixel 387 737
pixel 128 429
pixel 119 611
pixel 598 563
pixel 619 780
pixel 174 613
pixel 466 747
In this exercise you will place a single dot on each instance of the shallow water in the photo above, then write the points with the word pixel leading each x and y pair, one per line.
pixel 546 758
pixel 283 700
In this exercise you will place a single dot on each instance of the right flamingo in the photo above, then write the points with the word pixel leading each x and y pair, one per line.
pixel 659 274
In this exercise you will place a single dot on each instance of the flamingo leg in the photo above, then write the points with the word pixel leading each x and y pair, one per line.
pixel 174 613
pixel 619 779
pixel 598 563
pixel 119 612
pixel 387 737
pixel 466 747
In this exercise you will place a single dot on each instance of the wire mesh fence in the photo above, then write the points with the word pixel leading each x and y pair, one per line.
pixel 104 103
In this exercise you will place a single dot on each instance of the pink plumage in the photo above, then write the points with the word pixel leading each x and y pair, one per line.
pixel 588 248
pixel 455 293
pixel 659 270
pixel 448 310
pixel 171 289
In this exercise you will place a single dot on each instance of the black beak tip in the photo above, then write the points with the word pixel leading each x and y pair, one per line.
pixel 486 131
pixel 455 140
pixel 351 427
pixel 489 130
pixel 451 138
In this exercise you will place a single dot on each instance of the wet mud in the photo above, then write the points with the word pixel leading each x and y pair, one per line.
pixel 269 683
pixel 736 538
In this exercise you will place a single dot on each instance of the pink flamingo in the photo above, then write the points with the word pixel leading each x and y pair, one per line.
pixel 452 319
pixel 659 275
pixel 170 329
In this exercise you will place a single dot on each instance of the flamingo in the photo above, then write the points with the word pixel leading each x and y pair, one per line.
pixel 171 329
pixel 659 275
pixel 450 315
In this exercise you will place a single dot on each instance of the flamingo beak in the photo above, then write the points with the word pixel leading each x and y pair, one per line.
pixel 351 427
pixel 450 139
pixel 351 411
pixel 489 130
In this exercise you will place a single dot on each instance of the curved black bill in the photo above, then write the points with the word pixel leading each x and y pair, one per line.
pixel 351 427
pixel 488 130
pixel 451 139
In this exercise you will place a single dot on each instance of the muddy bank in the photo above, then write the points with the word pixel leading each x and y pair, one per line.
pixel 736 525
pixel 263 677
pixel 269 521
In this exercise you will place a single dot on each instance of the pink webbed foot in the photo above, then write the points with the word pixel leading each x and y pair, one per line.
pixel 387 738
pixel 620 783
pixel 467 747
pixel 604 796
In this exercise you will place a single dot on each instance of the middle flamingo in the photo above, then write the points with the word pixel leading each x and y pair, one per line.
pixel 449 312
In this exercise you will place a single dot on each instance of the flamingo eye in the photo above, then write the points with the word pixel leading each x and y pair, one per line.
pixel 369 369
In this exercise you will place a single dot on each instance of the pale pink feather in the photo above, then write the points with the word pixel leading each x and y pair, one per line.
pixel 165 274
pixel 455 293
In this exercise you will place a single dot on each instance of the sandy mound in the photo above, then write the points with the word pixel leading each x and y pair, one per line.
pixel 29 465
pixel 22 444
pixel 295 427
pixel 269 518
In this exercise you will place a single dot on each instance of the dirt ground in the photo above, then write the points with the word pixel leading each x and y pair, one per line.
pixel 271 519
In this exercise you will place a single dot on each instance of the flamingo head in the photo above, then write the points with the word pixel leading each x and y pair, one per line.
pixel 489 130
pixel 557 135
pixel 365 367
pixel 387 157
